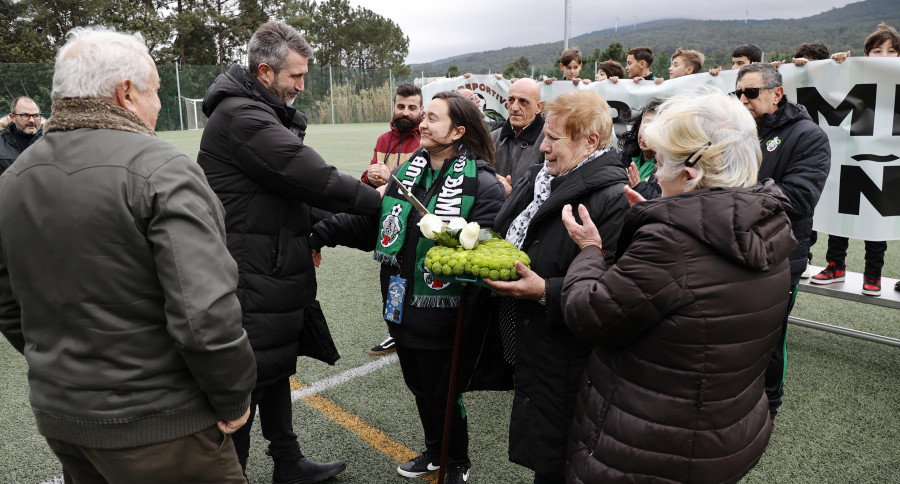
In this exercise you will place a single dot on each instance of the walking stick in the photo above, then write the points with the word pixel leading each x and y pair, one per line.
pixel 454 363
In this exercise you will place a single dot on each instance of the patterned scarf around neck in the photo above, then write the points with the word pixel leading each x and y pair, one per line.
pixel 452 194
pixel 76 113
pixel 519 227
pixel 509 307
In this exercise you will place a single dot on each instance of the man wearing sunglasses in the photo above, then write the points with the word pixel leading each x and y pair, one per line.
pixel 797 156
pixel 23 130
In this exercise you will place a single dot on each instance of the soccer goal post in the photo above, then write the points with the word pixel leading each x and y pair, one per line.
pixel 194 113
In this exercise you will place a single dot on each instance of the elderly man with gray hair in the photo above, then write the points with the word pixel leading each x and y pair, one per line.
pixel 253 153
pixel 116 284
pixel 518 141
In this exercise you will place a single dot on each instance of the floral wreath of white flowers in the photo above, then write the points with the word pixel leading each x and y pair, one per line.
pixel 465 249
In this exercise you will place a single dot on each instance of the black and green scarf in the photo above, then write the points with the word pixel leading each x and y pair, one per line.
pixel 448 195
pixel 645 168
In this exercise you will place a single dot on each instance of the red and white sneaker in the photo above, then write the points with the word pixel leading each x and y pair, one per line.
pixel 871 285
pixel 830 275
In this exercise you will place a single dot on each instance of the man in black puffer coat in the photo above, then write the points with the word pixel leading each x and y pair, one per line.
pixel 797 157
pixel 253 155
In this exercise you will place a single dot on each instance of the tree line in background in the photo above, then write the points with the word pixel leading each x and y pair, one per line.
pixel 205 32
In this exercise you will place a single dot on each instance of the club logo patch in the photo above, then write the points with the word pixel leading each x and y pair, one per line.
pixel 390 226
pixel 773 143
pixel 431 282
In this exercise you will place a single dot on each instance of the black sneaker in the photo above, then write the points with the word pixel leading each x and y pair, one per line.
pixel 420 465
pixel 383 348
pixel 458 475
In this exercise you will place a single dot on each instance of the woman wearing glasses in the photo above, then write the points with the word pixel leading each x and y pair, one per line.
pixel 684 322
pixel 23 130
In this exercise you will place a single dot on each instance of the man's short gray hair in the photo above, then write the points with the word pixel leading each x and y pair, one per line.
pixel 769 73
pixel 95 59
pixel 271 44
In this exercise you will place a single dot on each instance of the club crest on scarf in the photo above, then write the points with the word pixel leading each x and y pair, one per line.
pixel 431 282
pixel 390 226
pixel 447 192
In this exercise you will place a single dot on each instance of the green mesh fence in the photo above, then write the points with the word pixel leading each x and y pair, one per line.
pixel 353 95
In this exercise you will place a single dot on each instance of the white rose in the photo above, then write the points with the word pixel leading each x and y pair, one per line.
pixel 430 225
pixel 469 235
pixel 457 223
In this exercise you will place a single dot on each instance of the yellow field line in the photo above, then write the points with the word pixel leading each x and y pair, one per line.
pixel 369 434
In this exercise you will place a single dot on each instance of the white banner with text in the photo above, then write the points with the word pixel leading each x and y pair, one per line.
pixel 857 103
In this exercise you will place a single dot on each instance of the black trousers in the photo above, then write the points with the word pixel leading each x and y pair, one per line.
pixel 837 253
pixel 543 479
pixel 423 372
pixel 778 362
pixel 274 403
pixel 204 457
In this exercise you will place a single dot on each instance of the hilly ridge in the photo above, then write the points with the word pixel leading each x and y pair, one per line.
pixel 840 29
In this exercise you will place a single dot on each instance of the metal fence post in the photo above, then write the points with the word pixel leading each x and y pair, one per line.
pixel 331 85
pixel 178 85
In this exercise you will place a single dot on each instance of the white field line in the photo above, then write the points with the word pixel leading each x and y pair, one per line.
pixel 319 386
pixel 343 377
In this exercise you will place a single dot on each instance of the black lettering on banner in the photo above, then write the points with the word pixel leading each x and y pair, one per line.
pixel 896 131
pixel 619 126
pixel 856 184
pixel 860 100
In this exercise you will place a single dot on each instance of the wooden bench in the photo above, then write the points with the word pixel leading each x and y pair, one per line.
pixel 850 290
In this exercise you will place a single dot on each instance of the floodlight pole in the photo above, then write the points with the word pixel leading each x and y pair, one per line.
pixel 566 27
pixel 178 86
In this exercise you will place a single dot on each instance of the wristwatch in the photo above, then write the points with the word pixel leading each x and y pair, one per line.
pixel 543 300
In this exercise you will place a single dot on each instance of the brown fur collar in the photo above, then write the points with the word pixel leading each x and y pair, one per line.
pixel 75 113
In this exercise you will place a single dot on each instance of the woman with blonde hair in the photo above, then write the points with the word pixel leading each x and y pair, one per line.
pixel 684 322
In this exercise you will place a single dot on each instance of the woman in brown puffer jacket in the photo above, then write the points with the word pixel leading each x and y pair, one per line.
pixel 684 323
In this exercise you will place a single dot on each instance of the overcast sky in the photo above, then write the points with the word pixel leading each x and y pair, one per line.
pixel 439 29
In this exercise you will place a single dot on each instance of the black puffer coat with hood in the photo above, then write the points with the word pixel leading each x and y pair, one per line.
pixel 683 326
pixel 797 156
pixel 253 154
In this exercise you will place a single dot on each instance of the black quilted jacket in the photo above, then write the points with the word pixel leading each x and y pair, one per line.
pixel 683 326
pixel 253 155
